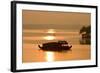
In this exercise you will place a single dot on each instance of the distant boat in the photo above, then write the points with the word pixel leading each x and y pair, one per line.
pixel 55 46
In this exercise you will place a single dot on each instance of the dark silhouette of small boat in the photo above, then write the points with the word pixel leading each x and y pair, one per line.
pixel 55 46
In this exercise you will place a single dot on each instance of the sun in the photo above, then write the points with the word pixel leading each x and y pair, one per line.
pixel 51 31
pixel 49 37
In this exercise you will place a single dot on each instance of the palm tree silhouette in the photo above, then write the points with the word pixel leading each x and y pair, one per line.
pixel 87 29
pixel 86 34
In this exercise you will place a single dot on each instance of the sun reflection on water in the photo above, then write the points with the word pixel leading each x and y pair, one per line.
pixel 49 56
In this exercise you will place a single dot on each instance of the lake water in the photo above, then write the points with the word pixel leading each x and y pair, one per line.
pixel 33 38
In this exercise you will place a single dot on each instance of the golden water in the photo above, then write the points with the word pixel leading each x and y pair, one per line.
pixel 33 38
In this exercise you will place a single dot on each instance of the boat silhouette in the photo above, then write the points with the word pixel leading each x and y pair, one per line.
pixel 55 46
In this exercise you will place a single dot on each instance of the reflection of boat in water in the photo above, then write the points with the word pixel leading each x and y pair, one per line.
pixel 55 46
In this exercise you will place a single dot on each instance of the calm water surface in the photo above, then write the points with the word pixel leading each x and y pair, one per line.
pixel 32 53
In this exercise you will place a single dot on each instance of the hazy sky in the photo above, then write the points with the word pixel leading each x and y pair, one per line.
pixel 54 20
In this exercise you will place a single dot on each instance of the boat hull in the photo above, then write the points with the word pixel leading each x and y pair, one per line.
pixel 57 48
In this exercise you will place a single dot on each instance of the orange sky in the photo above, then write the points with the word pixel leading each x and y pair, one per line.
pixel 56 20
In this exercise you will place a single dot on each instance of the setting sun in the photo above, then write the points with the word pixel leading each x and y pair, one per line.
pixel 49 37
pixel 51 31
